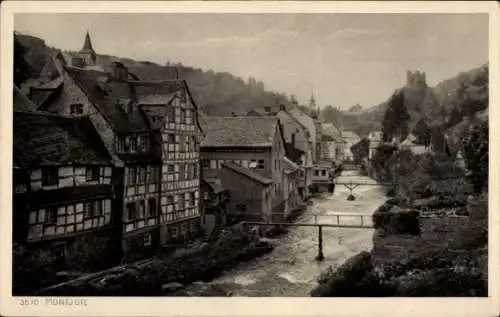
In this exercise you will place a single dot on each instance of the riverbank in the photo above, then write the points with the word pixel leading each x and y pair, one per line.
pixel 414 255
pixel 166 273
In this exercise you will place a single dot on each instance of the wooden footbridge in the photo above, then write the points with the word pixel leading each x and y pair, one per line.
pixel 352 183
pixel 353 221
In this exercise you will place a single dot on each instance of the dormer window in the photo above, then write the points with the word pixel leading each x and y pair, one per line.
pixel 76 108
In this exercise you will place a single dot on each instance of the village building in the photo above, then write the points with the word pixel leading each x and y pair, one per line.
pixel 299 149
pixel 332 144
pixel 251 194
pixel 215 203
pixel 64 187
pixel 254 143
pixel 410 143
pixel 292 198
pixel 309 124
pixel 374 138
pixel 151 128
pixel 350 139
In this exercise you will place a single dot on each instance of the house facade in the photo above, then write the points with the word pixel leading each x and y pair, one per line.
pixel 299 149
pixel 251 193
pixel 350 139
pixel 332 143
pixel 375 138
pixel 292 198
pixel 215 201
pixel 310 125
pixel 254 143
pixel 64 205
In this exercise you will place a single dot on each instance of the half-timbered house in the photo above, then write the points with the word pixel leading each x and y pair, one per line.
pixel 63 191
pixel 151 127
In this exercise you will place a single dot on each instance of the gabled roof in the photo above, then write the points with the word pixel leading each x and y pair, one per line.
pixel 42 139
pixel 331 130
pixel 349 134
pixel 239 131
pixel 214 187
pixel 250 174
pixel 21 101
pixel 289 165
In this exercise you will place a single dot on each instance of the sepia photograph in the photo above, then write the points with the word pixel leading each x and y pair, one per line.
pixel 282 154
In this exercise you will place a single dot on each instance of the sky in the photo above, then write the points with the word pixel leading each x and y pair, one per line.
pixel 343 59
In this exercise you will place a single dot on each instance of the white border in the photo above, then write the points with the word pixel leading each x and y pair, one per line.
pixel 246 306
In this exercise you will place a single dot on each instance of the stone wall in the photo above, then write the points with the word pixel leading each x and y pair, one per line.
pixel 455 233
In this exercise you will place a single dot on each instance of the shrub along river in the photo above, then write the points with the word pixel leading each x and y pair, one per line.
pixel 291 269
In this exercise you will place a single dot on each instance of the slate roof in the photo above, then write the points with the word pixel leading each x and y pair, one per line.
pixel 21 101
pixel 253 175
pixel 239 131
pixel 107 95
pixel 41 139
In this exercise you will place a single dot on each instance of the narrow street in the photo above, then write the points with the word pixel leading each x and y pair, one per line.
pixel 290 269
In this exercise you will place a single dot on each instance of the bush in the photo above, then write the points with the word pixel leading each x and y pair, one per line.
pixel 339 283
pixel 397 221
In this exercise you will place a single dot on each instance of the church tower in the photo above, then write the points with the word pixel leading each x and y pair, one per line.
pixel 313 108
pixel 87 52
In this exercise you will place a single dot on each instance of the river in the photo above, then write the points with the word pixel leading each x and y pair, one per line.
pixel 290 269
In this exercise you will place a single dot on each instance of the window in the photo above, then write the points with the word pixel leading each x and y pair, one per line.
pixel 59 254
pixel 187 168
pixel 183 115
pixel 181 201
pixel 252 164
pixel 133 144
pixel 260 164
pixel 170 200
pixel 213 164
pixel 142 175
pixel 51 215
pixel 99 209
pixel 242 208
pixel 131 212
pixel 323 173
pixel 76 108
pixel 206 163
pixel 151 177
pixel 151 207
pixel 181 171
pixel 142 143
pixel 142 208
pixel 120 144
pixel 316 173
pixel 171 169
pixel 147 240
pixel 171 139
pixel 132 176
pixel 170 114
pixel 49 176
pixel 92 173
pixel 88 209
pixel 192 198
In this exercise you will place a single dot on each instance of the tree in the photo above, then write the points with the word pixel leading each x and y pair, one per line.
pixel 422 132
pixel 332 115
pixel 396 117
pixel 476 156
pixel 360 150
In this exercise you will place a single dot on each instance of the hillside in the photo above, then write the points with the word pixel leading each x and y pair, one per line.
pixel 436 104
pixel 216 93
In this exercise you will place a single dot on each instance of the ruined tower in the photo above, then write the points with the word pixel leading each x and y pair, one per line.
pixel 415 79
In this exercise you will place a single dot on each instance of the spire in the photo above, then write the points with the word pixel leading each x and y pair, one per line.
pixel 87 45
